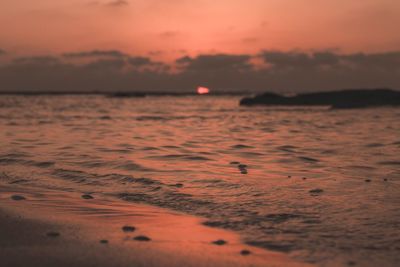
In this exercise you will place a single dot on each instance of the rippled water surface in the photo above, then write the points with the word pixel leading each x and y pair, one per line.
pixel 320 184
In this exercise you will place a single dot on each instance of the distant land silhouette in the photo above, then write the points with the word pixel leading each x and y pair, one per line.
pixel 144 94
pixel 121 94
pixel 351 98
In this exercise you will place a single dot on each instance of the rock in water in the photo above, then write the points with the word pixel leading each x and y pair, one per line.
pixel 354 98
pixel 128 228
pixel 141 238
pixel 245 252
pixel 87 196
pixel 17 197
pixel 219 242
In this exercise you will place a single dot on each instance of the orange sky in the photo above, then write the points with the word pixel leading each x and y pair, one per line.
pixel 169 29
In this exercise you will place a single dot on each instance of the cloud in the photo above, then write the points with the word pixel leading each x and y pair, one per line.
pixel 302 60
pixel 37 60
pixel 118 3
pixel 250 40
pixel 156 53
pixel 389 60
pixel 105 65
pixel 114 58
pixel 264 23
pixel 299 59
pixel 169 34
pixel 96 53
pixel 93 3
pixel 140 61
pixel 113 70
pixel 215 62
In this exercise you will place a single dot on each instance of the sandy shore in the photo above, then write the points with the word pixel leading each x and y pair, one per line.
pixel 50 228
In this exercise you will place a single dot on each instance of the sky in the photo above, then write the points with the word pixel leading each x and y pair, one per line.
pixel 166 33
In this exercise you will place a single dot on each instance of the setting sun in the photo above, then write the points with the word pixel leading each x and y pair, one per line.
pixel 202 90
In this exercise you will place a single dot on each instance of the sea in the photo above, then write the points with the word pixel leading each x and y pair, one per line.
pixel 320 184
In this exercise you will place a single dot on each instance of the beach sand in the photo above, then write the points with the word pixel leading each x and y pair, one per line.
pixel 52 228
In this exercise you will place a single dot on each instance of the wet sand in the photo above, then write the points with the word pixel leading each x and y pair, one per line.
pixel 52 228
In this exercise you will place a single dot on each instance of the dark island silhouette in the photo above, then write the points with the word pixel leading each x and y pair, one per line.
pixel 351 98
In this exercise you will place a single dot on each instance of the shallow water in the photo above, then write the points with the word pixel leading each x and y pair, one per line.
pixel 183 153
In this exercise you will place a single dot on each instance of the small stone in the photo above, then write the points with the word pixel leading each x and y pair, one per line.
pixel 104 241
pixel 219 242
pixel 17 197
pixel 245 252
pixel 316 191
pixel 127 228
pixel 179 185
pixel 304 178
pixel 53 234
pixel 242 168
pixel 367 180
pixel 141 238
pixel 289 176
pixel 86 196
pixel 385 179
pixel 234 162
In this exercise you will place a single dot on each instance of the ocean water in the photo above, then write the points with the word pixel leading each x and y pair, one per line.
pixel 322 185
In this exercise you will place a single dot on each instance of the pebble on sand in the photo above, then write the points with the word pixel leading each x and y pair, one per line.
pixel 385 179
pixel 242 168
pixel 219 242
pixel 53 234
pixel 17 197
pixel 234 162
pixel 316 191
pixel 104 241
pixel 86 196
pixel 128 228
pixel 367 180
pixel 141 238
pixel 245 252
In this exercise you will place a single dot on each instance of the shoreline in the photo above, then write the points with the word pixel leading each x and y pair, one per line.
pixel 50 228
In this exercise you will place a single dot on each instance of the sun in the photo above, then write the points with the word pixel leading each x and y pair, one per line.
pixel 203 90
